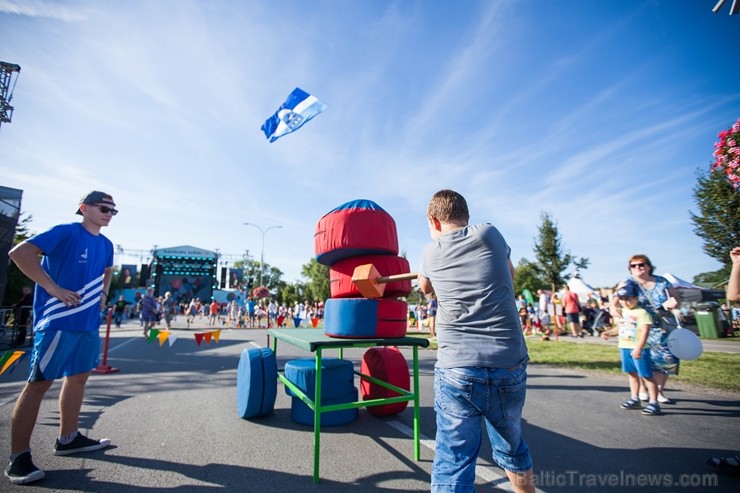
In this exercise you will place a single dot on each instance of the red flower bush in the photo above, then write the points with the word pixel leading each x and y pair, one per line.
pixel 727 154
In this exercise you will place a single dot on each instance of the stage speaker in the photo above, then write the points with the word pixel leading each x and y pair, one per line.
pixel 143 275
pixel 223 277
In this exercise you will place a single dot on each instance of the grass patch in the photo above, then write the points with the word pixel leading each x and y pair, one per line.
pixel 712 370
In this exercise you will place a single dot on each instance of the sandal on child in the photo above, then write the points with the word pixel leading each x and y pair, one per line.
pixel 726 464
pixel 652 409
pixel 631 404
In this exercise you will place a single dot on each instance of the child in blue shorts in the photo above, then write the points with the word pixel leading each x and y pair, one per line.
pixel 633 330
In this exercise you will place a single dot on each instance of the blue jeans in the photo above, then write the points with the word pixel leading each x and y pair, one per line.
pixel 462 397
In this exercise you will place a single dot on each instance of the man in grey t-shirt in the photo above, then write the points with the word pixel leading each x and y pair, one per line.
pixel 481 357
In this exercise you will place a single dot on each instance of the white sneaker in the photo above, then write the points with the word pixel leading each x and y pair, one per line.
pixel 644 397
pixel 664 400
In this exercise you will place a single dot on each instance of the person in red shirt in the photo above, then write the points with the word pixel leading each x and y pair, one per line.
pixel 572 309
pixel 215 309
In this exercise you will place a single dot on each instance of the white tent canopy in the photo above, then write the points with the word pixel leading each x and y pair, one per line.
pixel 583 290
pixel 691 292
pixel 680 283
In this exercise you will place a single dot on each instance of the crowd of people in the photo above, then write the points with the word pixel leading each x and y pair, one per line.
pixel 153 311
pixel 555 314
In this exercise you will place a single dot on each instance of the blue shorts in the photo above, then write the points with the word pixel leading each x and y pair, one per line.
pixel 573 317
pixel 60 353
pixel 643 367
pixel 463 399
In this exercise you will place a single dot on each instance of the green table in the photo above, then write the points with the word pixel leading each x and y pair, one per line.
pixel 315 341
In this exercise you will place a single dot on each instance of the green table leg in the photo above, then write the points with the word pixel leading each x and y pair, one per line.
pixel 317 418
pixel 417 420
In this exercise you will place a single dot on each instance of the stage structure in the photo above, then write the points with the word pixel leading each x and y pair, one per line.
pixel 185 271
pixel 7 86
pixel 10 211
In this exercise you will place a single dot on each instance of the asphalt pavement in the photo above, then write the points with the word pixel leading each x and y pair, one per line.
pixel 171 414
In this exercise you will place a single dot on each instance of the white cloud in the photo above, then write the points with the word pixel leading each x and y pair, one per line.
pixel 41 8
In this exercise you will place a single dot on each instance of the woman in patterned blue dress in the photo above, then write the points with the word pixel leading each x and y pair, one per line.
pixel 656 292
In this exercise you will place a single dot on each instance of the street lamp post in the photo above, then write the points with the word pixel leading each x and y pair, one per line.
pixel 262 254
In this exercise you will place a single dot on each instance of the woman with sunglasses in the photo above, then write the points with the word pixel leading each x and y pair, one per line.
pixel 656 292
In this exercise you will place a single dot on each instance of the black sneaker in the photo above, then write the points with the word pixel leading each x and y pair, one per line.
pixel 22 470
pixel 80 444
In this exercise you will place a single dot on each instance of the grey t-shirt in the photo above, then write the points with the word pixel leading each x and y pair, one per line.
pixel 477 321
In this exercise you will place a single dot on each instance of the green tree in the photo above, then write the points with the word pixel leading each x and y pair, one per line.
pixel 718 221
pixel 713 278
pixel 317 287
pixel 552 260
pixel 581 264
pixel 415 297
pixel 528 276
pixel 272 277
pixel 292 294
pixel 23 229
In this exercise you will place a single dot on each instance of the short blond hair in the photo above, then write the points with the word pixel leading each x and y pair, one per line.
pixel 448 206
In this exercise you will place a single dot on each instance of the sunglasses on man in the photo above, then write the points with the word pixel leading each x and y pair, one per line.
pixel 105 209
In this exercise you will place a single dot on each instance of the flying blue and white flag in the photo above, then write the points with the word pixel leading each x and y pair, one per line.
pixel 299 108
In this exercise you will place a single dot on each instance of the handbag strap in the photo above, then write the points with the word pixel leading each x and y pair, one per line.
pixel 649 298
pixel 657 310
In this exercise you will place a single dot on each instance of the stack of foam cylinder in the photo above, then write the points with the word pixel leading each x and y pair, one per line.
pixel 356 233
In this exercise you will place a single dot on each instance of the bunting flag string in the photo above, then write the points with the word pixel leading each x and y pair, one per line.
pixel 207 336
pixel 163 336
pixel 10 359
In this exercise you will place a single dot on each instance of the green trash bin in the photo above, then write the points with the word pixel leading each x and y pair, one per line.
pixel 707 320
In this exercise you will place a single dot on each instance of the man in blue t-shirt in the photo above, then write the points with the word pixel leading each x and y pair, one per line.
pixel 481 369
pixel 72 282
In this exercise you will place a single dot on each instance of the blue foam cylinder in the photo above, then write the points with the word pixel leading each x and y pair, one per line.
pixel 337 376
pixel 256 383
pixel 301 413
pixel 365 318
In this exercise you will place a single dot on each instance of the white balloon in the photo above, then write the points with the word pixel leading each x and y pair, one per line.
pixel 684 344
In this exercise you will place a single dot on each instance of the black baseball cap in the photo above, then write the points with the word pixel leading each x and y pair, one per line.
pixel 96 197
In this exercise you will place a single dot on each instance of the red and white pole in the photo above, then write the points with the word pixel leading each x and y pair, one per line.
pixel 104 367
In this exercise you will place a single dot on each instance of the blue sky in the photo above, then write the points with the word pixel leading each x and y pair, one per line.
pixel 597 112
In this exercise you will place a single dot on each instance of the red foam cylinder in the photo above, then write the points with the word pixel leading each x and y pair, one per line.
pixel 389 365
pixel 340 275
pixel 360 227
